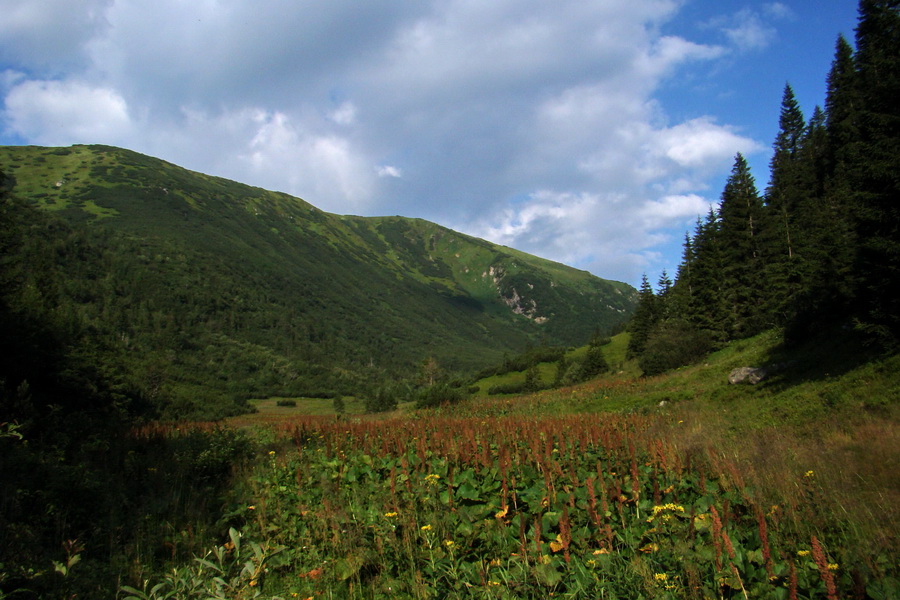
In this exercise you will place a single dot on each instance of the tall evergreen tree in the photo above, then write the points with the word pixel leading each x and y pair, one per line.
pixel 875 179
pixel 706 308
pixel 664 296
pixel 784 197
pixel 644 319
pixel 740 217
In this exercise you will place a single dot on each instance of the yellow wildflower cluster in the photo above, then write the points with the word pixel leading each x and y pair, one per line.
pixel 809 474
pixel 662 508
pixel 390 515
pixel 833 566
pixel 661 577
pixel 803 553
pixel 425 528
pixel 449 544
pixel 432 479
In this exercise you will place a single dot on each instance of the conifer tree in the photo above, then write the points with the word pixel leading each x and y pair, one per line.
pixel 706 309
pixel 740 217
pixel 644 319
pixel 875 175
pixel 784 197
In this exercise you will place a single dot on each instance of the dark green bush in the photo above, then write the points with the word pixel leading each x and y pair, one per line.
pixel 438 395
pixel 673 344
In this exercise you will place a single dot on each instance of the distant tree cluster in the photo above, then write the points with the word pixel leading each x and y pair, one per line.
pixel 820 246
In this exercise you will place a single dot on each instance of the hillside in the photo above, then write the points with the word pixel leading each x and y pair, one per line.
pixel 193 288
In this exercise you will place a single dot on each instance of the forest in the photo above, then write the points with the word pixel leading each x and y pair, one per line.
pixel 819 247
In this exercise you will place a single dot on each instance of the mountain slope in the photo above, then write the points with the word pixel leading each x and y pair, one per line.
pixel 201 286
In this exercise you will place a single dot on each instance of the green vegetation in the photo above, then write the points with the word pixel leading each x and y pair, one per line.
pixel 815 251
pixel 131 289
pixel 200 293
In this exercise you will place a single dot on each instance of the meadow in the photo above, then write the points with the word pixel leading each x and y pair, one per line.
pixel 678 486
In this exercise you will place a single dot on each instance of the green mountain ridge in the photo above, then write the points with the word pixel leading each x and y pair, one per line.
pixel 194 286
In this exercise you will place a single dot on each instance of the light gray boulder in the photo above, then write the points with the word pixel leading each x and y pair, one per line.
pixel 751 375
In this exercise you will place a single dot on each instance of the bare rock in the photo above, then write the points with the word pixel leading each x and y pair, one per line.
pixel 751 375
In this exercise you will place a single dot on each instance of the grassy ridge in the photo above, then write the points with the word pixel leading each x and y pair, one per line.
pixel 222 290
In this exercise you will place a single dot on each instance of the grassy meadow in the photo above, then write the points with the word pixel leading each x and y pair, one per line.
pixel 677 486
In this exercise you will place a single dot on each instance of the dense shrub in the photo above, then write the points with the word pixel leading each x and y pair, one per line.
pixel 438 395
pixel 673 344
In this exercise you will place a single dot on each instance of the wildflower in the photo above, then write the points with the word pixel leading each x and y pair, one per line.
pixel 432 479
pixel 600 551
pixel 661 576
pixel 390 515
pixel 449 544
pixel 271 453
pixel 253 583
pixel 802 552
pixel 251 507
pixel 809 474
pixel 425 528
pixel 492 582
pixel 665 507
pixel 833 566
pixel 591 562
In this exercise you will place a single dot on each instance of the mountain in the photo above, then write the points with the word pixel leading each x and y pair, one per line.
pixel 194 288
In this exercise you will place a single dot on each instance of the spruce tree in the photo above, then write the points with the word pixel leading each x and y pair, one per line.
pixel 875 180
pixel 706 309
pixel 644 319
pixel 740 217
pixel 784 197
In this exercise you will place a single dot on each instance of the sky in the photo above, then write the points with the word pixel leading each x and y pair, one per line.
pixel 593 133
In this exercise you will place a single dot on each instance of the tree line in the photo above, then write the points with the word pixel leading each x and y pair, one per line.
pixel 819 247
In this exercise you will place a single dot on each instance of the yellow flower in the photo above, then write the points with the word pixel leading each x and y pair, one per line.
pixel 251 507
pixel 809 474
pixel 661 576
pixel 591 562
pixel 833 566
pixel 425 528
pixel 803 553
pixel 600 551
pixel 449 543
pixel 253 583
pixel 271 453
pixel 390 515
pixel 493 582
pixel 432 479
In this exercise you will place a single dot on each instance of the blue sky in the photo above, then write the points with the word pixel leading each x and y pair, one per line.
pixel 589 132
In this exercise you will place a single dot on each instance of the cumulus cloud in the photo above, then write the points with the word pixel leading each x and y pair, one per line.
pixel 533 124
pixel 65 112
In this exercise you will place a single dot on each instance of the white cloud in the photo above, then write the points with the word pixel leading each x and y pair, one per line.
pixel 534 124
pixel 345 114
pixel 749 29
pixel 700 143
pixel 389 171
pixel 66 112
